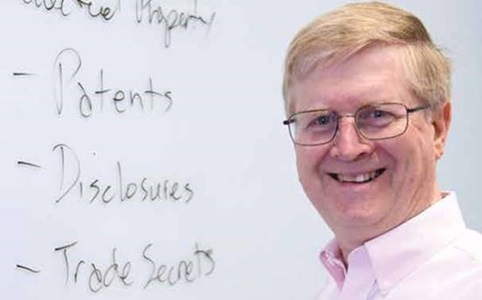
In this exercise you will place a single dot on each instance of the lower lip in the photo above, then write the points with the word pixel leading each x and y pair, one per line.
pixel 349 189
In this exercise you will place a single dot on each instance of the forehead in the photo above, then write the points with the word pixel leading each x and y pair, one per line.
pixel 371 76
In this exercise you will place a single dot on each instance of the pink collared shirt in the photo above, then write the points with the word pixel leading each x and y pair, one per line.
pixel 432 256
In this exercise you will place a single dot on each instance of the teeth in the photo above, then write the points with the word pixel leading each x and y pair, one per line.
pixel 360 178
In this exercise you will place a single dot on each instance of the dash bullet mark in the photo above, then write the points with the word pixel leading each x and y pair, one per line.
pixel 22 74
pixel 28 164
pixel 28 269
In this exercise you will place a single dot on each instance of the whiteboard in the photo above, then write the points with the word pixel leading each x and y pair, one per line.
pixel 143 155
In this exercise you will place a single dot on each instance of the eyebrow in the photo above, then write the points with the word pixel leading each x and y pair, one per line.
pixel 364 104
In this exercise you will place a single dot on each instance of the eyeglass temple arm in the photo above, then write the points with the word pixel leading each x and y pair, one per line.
pixel 411 110
pixel 288 122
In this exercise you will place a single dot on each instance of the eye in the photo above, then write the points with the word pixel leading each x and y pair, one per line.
pixel 376 116
pixel 320 121
pixel 373 113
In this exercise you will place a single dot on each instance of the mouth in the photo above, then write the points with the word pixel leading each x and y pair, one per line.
pixel 357 178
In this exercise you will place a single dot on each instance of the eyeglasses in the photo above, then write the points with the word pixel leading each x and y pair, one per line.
pixel 373 122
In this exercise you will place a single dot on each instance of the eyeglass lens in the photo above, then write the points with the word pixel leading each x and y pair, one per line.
pixel 379 121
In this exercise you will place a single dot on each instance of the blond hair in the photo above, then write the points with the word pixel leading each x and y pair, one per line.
pixel 338 35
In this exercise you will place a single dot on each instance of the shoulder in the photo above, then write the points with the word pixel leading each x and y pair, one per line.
pixel 459 262
pixel 454 272
pixel 464 262
pixel 329 291
pixel 470 245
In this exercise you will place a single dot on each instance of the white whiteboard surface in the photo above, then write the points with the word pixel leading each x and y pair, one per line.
pixel 185 186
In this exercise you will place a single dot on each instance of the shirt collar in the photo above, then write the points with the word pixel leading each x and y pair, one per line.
pixel 416 241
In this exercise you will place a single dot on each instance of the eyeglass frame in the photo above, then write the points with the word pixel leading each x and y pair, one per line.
pixel 408 111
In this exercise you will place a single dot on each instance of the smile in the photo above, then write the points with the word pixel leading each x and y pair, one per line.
pixel 358 178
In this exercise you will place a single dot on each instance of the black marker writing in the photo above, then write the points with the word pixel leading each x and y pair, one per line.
pixel 97 278
pixel 66 69
pixel 66 258
pixel 21 267
pixel 64 149
pixel 66 66
pixel 22 74
pixel 100 276
pixel 66 7
pixel 186 271
pixel 28 164
pixel 104 12
pixel 49 5
pixel 99 191
pixel 170 19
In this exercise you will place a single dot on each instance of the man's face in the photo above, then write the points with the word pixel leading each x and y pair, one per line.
pixel 407 163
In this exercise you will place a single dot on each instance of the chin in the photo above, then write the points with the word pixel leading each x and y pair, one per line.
pixel 355 212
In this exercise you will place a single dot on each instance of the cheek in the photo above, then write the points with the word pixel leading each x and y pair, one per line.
pixel 413 162
pixel 309 161
pixel 302 165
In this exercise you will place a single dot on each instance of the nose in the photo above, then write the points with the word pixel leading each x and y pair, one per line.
pixel 348 144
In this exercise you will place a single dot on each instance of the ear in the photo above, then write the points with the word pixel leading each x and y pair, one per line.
pixel 441 122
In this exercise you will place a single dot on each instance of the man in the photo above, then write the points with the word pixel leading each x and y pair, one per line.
pixel 367 96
